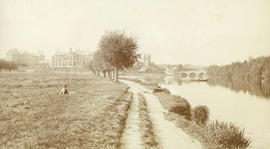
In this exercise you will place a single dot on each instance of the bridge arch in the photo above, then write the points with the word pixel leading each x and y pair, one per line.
pixel 201 75
pixel 192 75
pixel 184 75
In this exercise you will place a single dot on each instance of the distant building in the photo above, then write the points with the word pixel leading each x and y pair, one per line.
pixel 147 59
pixel 71 59
pixel 14 56
pixel 26 58
pixel 42 64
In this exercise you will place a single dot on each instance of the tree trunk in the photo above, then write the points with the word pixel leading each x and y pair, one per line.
pixel 113 76
pixel 116 75
pixel 104 73
pixel 109 75
pixel 111 72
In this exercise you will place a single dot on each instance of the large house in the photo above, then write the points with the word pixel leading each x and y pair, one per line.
pixel 27 59
pixel 71 59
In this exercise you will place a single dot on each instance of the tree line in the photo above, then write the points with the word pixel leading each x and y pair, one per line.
pixel 7 65
pixel 255 70
pixel 116 51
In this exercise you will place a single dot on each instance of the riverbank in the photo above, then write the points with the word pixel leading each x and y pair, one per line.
pixel 154 126
pixel 33 115
pixel 231 136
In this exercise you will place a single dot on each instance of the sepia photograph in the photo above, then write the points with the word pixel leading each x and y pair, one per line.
pixel 123 74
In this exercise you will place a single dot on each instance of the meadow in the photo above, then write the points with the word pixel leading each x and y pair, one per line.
pixel 33 115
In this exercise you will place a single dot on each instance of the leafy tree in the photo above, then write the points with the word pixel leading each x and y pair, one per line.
pixel 12 66
pixel 137 66
pixel 90 66
pixel 2 64
pixel 7 65
pixel 254 70
pixel 99 63
pixel 119 50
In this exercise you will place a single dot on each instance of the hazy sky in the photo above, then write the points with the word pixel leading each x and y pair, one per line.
pixel 199 32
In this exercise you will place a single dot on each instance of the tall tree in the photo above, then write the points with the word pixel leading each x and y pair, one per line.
pixel 119 50
pixel 99 63
pixel 90 66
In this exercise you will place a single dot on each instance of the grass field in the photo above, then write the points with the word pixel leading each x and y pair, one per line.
pixel 33 115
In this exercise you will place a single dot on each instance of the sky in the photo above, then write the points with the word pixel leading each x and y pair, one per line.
pixel 198 32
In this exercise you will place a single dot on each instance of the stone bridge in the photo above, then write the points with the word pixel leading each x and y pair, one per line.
pixel 200 75
pixel 194 75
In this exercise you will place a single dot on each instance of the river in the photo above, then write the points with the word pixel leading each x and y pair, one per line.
pixel 247 108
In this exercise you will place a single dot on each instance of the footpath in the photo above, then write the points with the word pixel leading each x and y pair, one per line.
pixel 167 134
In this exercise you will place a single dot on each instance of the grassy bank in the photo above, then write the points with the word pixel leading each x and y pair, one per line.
pixel 33 115
pixel 146 126
pixel 212 135
pixel 194 121
pixel 150 86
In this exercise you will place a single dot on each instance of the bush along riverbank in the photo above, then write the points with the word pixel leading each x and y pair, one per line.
pixel 195 122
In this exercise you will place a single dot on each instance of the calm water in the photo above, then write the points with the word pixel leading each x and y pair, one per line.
pixel 248 107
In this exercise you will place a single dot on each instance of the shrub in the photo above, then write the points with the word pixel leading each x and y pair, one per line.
pixel 182 109
pixel 201 115
pixel 228 135
pixel 159 89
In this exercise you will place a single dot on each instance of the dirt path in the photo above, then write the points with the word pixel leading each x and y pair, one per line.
pixel 168 135
pixel 131 136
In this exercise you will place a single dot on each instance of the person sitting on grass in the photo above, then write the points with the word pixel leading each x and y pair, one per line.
pixel 64 90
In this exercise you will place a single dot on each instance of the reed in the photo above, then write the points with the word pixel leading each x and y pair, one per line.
pixel 227 134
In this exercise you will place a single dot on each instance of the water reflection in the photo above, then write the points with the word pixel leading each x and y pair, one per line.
pixel 246 111
pixel 253 88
